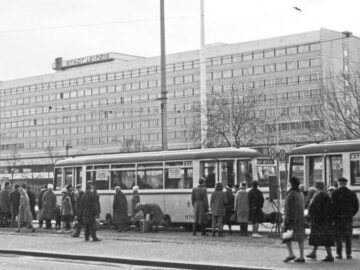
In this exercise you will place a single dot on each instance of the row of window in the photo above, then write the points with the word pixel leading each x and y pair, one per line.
pixel 221 60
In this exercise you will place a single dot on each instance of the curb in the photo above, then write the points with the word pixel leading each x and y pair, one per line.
pixel 138 262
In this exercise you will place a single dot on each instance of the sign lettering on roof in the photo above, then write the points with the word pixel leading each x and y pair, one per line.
pixel 84 61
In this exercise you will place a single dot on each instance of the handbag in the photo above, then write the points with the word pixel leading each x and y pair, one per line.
pixel 287 236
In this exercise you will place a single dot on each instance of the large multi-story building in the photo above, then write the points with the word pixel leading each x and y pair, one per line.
pixel 110 102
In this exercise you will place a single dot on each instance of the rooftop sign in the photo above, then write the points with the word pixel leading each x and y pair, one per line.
pixel 61 64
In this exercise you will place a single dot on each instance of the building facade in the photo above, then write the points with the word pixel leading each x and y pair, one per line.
pixel 111 102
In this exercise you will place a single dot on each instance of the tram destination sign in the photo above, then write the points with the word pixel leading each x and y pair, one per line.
pixel 355 156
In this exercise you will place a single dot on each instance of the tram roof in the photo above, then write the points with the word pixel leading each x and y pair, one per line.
pixel 209 153
pixel 327 147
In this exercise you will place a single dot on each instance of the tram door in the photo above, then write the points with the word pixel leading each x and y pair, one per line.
pixel 335 169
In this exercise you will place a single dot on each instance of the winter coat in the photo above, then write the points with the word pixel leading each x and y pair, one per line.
pixel 294 214
pixel 90 207
pixel 229 206
pixel 134 201
pixel 72 201
pixel 79 205
pixel 5 201
pixel 346 205
pixel 242 206
pixel 120 208
pixel 24 208
pixel 217 202
pixel 155 212
pixel 210 180
pixel 15 201
pixel 66 206
pixel 256 203
pixel 40 198
pixel 321 214
pixel 32 201
pixel 200 203
pixel 97 203
pixel 49 205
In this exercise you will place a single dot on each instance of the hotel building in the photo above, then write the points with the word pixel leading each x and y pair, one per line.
pixel 104 103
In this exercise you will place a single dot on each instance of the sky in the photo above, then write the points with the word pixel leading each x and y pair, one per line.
pixel 34 32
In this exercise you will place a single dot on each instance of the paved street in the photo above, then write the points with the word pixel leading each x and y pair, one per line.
pixel 172 247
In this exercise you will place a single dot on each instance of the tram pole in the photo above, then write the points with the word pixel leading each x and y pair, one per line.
pixel 163 98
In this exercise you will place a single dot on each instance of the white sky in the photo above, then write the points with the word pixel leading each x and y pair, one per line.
pixel 34 32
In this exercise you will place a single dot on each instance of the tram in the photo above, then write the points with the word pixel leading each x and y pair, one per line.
pixel 165 177
pixel 326 162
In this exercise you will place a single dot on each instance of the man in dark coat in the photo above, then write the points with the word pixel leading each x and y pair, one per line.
pixel 217 204
pixel 200 203
pixel 40 204
pixel 210 178
pixel 5 204
pixel 229 206
pixel 71 193
pixel 120 208
pixel 321 220
pixel 14 204
pixel 79 210
pixel 49 206
pixel 90 213
pixel 346 206
pixel 256 203
pixel 32 200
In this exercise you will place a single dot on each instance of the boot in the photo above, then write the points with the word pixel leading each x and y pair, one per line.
pixel 203 231
pixel 194 229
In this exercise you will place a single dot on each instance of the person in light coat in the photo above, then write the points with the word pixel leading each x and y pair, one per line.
pixel 200 205
pixel 49 206
pixel 242 209
pixel 24 215
pixel 217 202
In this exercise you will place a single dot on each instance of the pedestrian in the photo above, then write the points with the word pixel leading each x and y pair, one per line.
pixel 32 200
pixel 217 204
pixel 237 188
pixel 40 205
pixel 49 206
pixel 120 211
pixel 200 204
pixel 294 220
pixel 229 206
pixel 321 222
pixel 256 203
pixel 14 204
pixel 90 213
pixel 79 210
pixel 71 193
pixel 135 199
pixel 66 211
pixel 241 207
pixel 151 212
pixel 5 205
pixel 309 196
pixel 24 215
pixel 346 205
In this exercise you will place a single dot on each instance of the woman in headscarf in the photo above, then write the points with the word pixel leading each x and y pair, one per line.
pixel 294 219
pixel 242 209
pixel 24 215
pixel 67 213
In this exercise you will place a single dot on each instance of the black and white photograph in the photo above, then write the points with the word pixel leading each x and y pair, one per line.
pixel 179 134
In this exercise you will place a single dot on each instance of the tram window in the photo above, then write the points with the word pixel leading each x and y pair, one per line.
pixel 124 179
pixel 150 179
pixel 355 170
pixel 336 168
pixel 68 177
pixel 297 168
pixel 227 172
pixel 264 174
pixel 178 178
pixel 208 169
pixel 316 165
pixel 99 177
pixel 57 178
pixel 245 173
pixel 78 172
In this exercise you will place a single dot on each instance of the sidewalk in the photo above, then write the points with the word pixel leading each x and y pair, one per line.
pixel 167 249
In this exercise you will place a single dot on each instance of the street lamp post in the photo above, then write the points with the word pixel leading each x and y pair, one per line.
pixel 67 149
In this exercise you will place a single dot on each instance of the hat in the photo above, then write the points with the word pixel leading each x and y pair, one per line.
pixel 50 186
pixel 218 186
pixel 201 180
pixel 342 179
pixel 24 186
pixel 229 186
pixel 243 185
pixel 89 186
pixel 135 188
pixel 319 184
pixel 69 186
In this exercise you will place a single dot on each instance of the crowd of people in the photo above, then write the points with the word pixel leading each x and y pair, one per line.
pixel 226 207
pixel 330 214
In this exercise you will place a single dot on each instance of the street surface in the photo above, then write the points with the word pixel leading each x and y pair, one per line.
pixel 172 246
pixel 15 262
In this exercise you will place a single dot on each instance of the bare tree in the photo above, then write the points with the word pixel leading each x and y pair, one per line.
pixel 13 161
pixel 53 157
pixel 337 106
pixel 131 146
